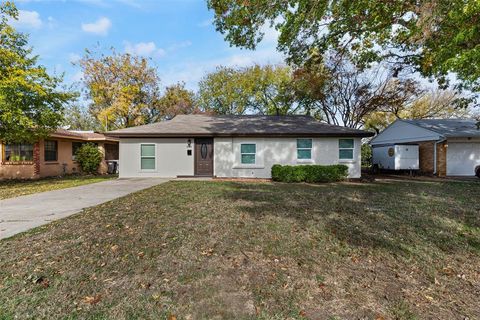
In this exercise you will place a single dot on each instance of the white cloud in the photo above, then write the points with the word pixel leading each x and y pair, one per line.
pixel 145 49
pixel 100 27
pixel 28 19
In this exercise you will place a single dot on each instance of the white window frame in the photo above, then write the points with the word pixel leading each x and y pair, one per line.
pixel 246 153
pixel 309 160
pixel 353 150
pixel 148 157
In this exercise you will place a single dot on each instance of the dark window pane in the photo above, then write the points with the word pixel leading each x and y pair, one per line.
pixel 304 143
pixel 148 150
pixel 346 154
pixel 248 148
pixel 148 163
pixel 304 154
pixel 248 158
pixel 50 150
pixel 111 151
pixel 75 147
pixel 345 143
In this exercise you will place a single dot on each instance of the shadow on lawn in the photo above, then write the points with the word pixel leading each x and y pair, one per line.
pixel 402 218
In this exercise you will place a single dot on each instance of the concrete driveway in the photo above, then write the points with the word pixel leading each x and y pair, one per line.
pixel 25 212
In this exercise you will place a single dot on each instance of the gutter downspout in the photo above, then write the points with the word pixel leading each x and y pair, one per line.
pixel 435 154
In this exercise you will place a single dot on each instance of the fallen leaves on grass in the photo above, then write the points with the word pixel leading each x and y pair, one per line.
pixel 92 300
pixel 207 252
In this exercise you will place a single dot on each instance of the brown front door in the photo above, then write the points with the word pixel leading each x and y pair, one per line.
pixel 204 157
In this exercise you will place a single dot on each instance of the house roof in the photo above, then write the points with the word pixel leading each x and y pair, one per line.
pixel 81 135
pixel 449 128
pixel 247 125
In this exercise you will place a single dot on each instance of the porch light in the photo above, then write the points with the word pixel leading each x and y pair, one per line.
pixel 189 143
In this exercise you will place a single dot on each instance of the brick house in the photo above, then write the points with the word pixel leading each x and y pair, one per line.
pixel 447 147
pixel 54 156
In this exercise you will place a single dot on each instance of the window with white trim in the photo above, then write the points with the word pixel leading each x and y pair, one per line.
pixel 304 149
pixel 147 156
pixel 247 153
pixel 345 149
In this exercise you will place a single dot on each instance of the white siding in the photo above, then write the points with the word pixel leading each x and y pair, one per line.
pixel 171 158
pixel 272 151
pixel 401 132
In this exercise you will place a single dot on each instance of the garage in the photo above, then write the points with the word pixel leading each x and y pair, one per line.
pixel 462 158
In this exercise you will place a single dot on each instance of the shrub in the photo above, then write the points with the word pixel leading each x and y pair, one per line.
pixel 309 173
pixel 366 155
pixel 88 157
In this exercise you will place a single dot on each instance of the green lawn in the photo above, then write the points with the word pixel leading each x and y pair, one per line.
pixel 233 250
pixel 15 188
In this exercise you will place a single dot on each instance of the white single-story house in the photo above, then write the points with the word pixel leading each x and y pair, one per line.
pixel 447 147
pixel 234 146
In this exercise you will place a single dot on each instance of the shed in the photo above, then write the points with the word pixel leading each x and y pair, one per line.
pixel 447 147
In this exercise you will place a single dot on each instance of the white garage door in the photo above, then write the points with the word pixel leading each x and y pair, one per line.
pixel 462 158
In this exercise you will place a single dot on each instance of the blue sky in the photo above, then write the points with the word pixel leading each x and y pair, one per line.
pixel 177 35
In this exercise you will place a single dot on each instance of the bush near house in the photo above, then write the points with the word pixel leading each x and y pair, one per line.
pixel 366 156
pixel 309 173
pixel 88 157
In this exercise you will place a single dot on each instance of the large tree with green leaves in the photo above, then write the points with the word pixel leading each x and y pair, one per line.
pixel 434 37
pixel 31 103
pixel 175 100
pixel 77 117
pixel 256 89
pixel 124 89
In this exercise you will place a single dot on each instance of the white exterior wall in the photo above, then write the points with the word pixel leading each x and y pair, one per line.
pixel 402 132
pixel 272 151
pixel 171 158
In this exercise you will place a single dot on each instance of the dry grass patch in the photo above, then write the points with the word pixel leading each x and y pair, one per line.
pixel 222 250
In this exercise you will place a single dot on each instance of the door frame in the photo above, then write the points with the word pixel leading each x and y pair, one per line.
pixel 195 157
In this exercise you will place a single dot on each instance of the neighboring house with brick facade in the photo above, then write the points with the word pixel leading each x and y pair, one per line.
pixel 53 156
pixel 447 147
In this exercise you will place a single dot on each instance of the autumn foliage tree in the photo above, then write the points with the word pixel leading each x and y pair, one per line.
pixel 124 89
pixel 31 100
pixel 175 100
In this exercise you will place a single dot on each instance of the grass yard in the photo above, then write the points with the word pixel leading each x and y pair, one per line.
pixel 223 250
pixel 15 188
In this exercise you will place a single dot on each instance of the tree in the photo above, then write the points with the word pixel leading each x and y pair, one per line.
pixel 31 102
pixel 434 37
pixel 123 88
pixel 176 100
pixel 256 89
pixel 77 118
pixel 428 105
pixel 341 94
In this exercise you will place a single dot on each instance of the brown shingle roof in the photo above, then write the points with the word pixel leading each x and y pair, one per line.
pixel 81 135
pixel 250 125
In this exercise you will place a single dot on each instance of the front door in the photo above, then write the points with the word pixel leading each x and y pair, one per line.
pixel 204 157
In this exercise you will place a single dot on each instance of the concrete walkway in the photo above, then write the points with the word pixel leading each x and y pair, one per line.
pixel 25 212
